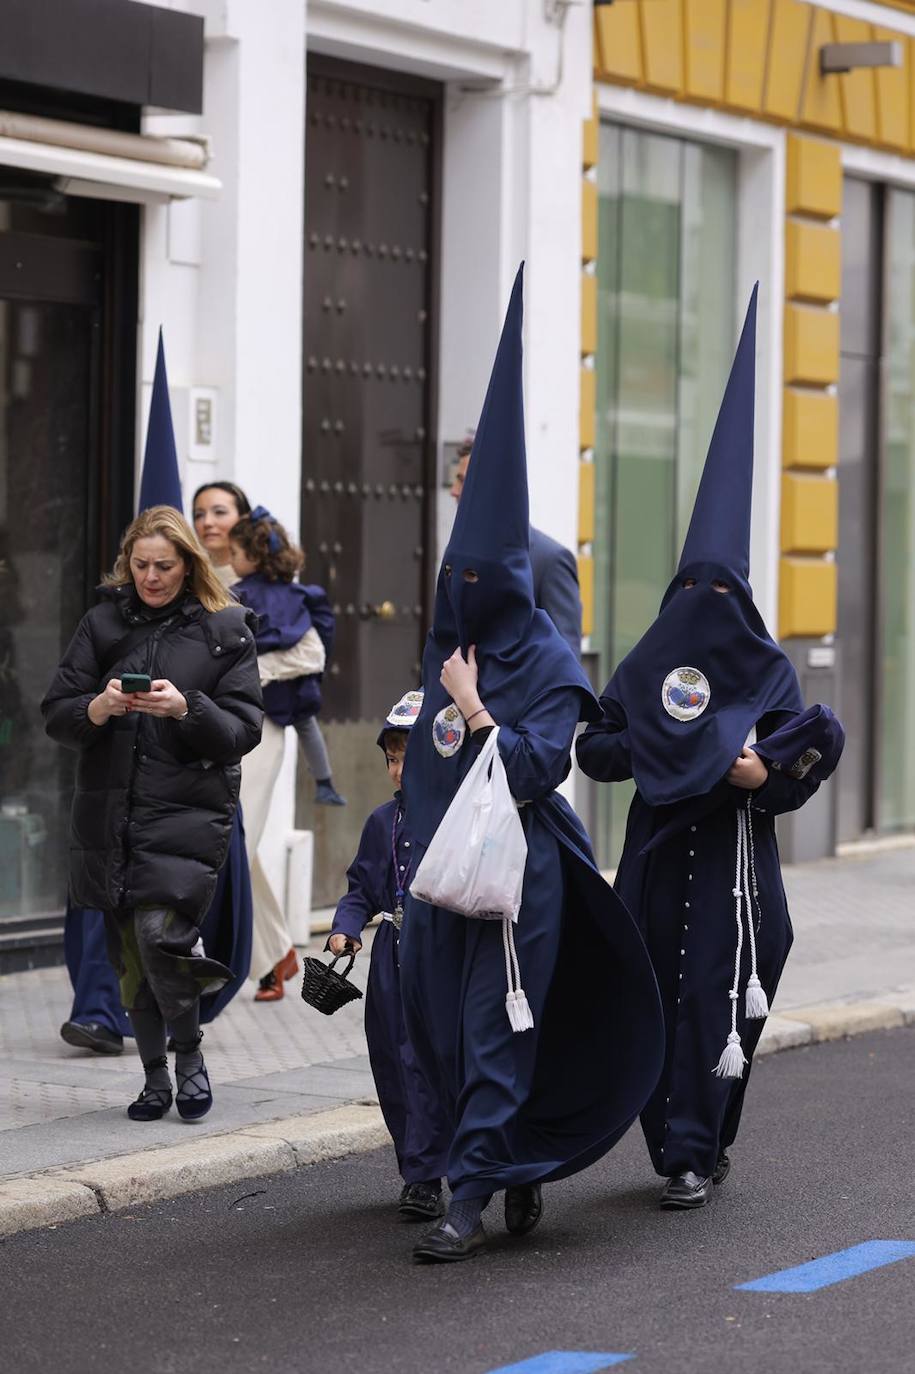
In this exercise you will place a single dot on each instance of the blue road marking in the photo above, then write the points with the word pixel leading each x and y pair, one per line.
pixel 844 1264
pixel 564 1362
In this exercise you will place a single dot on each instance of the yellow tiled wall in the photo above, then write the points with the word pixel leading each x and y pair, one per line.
pixel 760 57
pixel 588 393
pixel 810 498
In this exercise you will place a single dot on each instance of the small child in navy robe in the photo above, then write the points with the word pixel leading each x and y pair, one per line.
pixel 378 878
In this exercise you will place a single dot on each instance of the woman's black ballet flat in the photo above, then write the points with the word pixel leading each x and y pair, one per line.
pixel 151 1105
pixel 195 1097
pixel 443 1245
pixel 523 1208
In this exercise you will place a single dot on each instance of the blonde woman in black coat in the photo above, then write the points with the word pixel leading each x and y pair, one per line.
pixel 157 781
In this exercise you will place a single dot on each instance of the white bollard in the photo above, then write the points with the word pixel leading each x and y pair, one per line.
pixel 300 851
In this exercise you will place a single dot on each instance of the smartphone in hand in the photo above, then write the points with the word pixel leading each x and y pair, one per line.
pixel 135 682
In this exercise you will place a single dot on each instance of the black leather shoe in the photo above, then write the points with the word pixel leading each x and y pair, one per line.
pixel 443 1245
pixel 523 1208
pixel 420 1202
pixel 685 1191
pixel 91 1035
pixel 722 1169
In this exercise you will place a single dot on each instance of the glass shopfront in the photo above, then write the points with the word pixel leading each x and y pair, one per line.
pixel 64 476
pixel 666 334
pixel 896 566
pixel 876 556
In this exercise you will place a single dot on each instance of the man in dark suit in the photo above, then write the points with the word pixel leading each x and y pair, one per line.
pixel 553 565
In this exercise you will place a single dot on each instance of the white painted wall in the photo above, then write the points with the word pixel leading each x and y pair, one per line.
pixel 224 279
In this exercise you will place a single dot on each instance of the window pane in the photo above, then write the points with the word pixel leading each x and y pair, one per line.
pixel 707 313
pixel 897 526
pixel 666 330
pixel 44 480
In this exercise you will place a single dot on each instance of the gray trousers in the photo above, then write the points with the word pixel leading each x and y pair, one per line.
pixel 313 746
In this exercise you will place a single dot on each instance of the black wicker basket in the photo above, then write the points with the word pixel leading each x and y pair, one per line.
pixel 324 988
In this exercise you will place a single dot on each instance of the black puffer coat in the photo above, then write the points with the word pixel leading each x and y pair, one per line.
pixel 155 798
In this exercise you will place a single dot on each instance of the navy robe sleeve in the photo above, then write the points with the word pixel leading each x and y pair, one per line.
pixel 367 880
pixel 603 749
pixel 780 793
pixel 800 754
pixel 536 750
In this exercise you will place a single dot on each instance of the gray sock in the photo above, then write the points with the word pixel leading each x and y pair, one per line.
pixel 189 1063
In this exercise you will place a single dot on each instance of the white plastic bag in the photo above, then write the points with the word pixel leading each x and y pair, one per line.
pixel 475 862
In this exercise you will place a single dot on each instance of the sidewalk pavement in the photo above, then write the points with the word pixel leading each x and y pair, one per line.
pixel 293 1086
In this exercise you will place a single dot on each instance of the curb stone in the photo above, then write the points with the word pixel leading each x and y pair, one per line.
pixel 154 1175
pixel 29 1203
pixel 816 1024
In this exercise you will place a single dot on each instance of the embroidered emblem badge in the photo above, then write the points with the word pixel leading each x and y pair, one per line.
pixel 802 767
pixel 685 693
pixel 448 730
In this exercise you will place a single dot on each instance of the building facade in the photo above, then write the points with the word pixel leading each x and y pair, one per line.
pixel 325 220
pixel 729 152
pixel 323 204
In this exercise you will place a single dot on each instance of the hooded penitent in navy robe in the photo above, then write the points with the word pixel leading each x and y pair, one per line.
pixel 700 866
pixel 542 1104
pixel 409 1105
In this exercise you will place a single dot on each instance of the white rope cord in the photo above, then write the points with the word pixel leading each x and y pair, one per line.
pixel 753 883
pixel 516 1003
pixel 732 1061
pixel 757 1004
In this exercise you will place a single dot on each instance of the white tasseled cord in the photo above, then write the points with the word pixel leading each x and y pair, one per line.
pixel 757 1003
pixel 516 1003
pixel 732 1061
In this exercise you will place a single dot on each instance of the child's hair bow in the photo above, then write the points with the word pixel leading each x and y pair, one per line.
pixel 274 543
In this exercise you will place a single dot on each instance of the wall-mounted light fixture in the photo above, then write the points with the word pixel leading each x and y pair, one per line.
pixel 848 57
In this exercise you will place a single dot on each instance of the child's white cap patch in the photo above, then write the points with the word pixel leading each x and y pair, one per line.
pixel 403 714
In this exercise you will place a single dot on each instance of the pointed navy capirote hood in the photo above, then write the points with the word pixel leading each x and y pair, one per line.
pixel 160 484
pixel 492 516
pixel 485 590
pixel 719 531
pixel 707 672
pixel 484 594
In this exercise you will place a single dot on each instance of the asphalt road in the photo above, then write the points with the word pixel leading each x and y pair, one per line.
pixel 313 1272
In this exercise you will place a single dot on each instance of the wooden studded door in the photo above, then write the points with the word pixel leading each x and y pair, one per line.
pixel 367 329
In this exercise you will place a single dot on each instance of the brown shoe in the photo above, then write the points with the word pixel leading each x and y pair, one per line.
pixel 288 966
pixel 270 988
